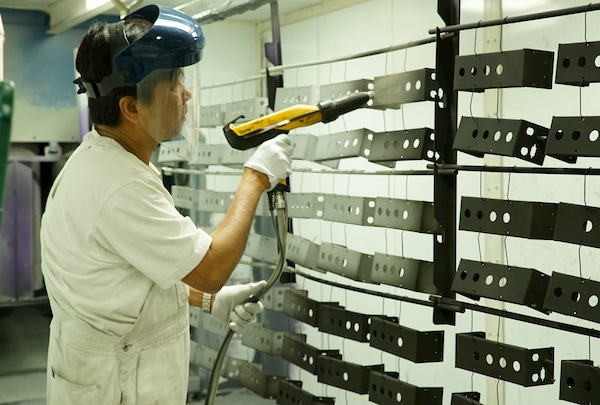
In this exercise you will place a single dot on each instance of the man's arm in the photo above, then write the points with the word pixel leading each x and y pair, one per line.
pixel 231 235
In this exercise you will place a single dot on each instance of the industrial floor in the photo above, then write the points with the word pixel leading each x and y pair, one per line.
pixel 23 350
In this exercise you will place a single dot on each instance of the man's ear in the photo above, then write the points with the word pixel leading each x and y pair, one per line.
pixel 128 107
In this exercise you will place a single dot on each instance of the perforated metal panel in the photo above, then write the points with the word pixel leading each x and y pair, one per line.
pixel 348 376
pixel 337 90
pixel 261 247
pixel 348 209
pixel 210 154
pixel 395 270
pixel 410 144
pixel 410 344
pixel 297 305
pixel 338 321
pixel 338 146
pixel 345 262
pixel 571 137
pixel 386 388
pixel 504 137
pixel 393 90
pixel 579 382
pixel 571 295
pixel 289 96
pixel 291 393
pixel 465 398
pixel 526 367
pixel 263 339
pixel 516 218
pixel 575 63
pixel 251 109
pixel 306 205
pixel 578 224
pixel 302 251
pixel 518 68
pixel 409 215
pixel 212 115
pixel 505 283
pixel 297 351
pixel 255 379
pixel 274 298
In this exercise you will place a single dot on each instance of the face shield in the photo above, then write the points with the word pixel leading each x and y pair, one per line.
pixel 168 102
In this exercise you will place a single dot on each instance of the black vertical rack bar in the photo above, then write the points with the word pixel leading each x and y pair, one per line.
pixel 445 186
pixel 273 55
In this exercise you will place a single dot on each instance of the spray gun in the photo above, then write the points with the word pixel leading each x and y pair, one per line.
pixel 255 132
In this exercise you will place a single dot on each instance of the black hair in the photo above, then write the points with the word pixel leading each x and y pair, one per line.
pixel 94 62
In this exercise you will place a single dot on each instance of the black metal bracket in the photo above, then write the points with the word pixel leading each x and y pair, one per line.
pixel 505 283
pixel 579 382
pixel 506 362
pixel 338 321
pixel 571 295
pixel 575 65
pixel 404 272
pixel 578 224
pixel 526 219
pixel 291 393
pixel 297 305
pixel 465 398
pixel 570 137
pixel 518 68
pixel 303 355
pixel 262 384
pixel 411 344
pixel 386 388
pixel 504 137
pixel 409 144
pixel 345 375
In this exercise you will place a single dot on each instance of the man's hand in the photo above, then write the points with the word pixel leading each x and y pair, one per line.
pixel 273 158
pixel 229 305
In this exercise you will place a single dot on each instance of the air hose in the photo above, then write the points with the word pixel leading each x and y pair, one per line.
pixel 278 209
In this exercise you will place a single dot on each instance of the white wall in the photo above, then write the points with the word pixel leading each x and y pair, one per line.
pixel 380 23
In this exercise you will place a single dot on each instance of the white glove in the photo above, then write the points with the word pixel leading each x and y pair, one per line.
pixel 273 158
pixel 228 306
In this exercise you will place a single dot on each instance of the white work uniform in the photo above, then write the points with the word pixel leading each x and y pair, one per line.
pixel 114 250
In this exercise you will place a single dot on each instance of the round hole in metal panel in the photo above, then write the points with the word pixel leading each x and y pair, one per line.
pixel 499 69
pixel 516 366
pixel 400 342
pixel 582 61
pixel 506 217
pixel 497 135
pixel 489 359
pixel 588 226
pixel 593 301
pixel 524 151
pixel 509 137
pixel 502 362
pixel 576 296
pixel 493 216
pixel 489 279
pixel 502 282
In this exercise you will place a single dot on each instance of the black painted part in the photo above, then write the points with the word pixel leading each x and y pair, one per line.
pixel 345 375
pixel 410 144
pixel 533 220
pixel 575 63
pixel 291 393
pixel 579 382
pixel 410 344
pixel 385 388
pixel 338 321
pixel 570 137
pixel 578 224
pixel 574 296
pixel 504 137
pixel 526 367
pixel 391 91
pixel 297 305
pixel 519 68
pixel 273 55
pixel 504 283
pixel 303 355
pixel 257 381
pixel 465 398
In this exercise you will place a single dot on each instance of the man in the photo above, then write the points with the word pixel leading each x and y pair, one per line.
pixel 114 248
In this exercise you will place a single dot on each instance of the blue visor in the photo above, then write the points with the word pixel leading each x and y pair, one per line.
pixel 175 40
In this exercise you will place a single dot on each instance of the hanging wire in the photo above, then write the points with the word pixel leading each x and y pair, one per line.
pixel 475 40
pixel 502 34
pixel 587 8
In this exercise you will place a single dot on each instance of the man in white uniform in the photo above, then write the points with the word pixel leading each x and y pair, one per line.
pixel 114 248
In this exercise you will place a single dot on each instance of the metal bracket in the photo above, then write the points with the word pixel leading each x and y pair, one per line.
pixel 291 393
pixel 306 205
pixel 288 96
pixel 410 344
pixel 575 64
pixel 184 197
pixel 396 270
pixel 571 137
pixel 393 90
pixel 345 375
pixel 517 138
pixel 263 339
pixel 574 296
pixel 297 351
pixel 465 398
pixel 205 356
pixel 297 305
pixel 578 224
pixel 253 378
pixel 251 109
pixel 261 247
pixel 410 144
pixel 526 219
pixel 579 382
pixel 505 283
pixel 349 210
pixel 386 388
pixel 336 320
pixel 345 262
pixel 274 298
pixel 209 154
pixel 518 68
pixel 505 362
pixel 338 90
pixel 339 146
pixel 219 202
pixel 302 251
pixel 212 115
pixel 169 152
pixel 409 215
